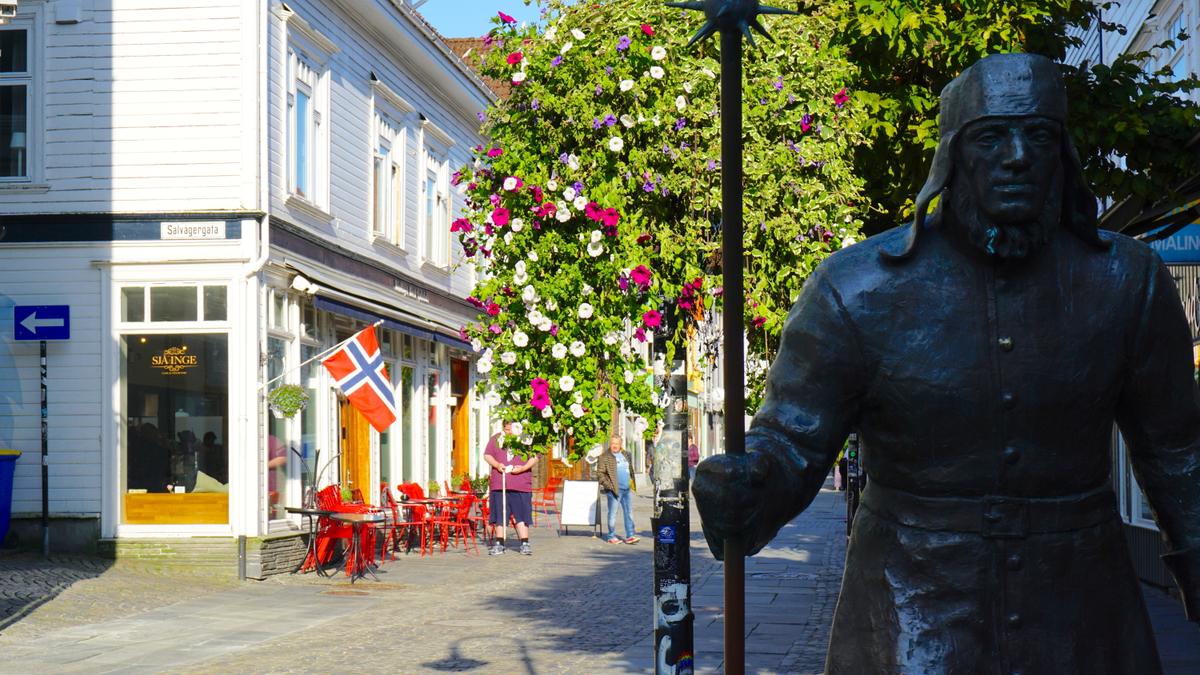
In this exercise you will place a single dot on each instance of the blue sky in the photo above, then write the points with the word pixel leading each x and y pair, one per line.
pixel 472 18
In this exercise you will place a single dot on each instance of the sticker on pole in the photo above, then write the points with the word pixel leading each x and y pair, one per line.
pixel 42 322
pixel 666 534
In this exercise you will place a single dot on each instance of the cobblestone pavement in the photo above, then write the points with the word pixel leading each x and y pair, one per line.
pixel 578 605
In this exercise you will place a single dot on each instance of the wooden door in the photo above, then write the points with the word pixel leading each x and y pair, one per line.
pixel 356 451
pixel 460 415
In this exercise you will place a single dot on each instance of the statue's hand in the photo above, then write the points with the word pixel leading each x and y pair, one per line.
pixel 729 491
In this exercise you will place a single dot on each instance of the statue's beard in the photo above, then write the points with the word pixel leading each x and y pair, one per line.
pixel 1011 240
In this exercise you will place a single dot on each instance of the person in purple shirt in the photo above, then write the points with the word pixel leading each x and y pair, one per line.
pixel 511 477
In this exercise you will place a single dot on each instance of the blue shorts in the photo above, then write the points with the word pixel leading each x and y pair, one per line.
pixel 520 506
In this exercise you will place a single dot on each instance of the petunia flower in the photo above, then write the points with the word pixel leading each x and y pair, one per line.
pixel 805 123
pixel 509 358
pixel 513 183
pixel 559 350
pixel 840 98
pixel 517 224
pixel 626 85
pixel 514 58
pixel 640 335
pixel 658 53
pixel 496 329
pixel 641 275
pixel 615 144
pixel 539 384
pixel 569 193
pixel 657 73
pixel 758 321
pixel 577 34
pixel 585 310
pixel 580 203
pixel 623 43
pixel 577 410
pixel 504 18
pixel 494 152
pixel 566 383
pixel 577 349
pixel 520 339
pixel 652 318
pixel 500 216
pixel 647 29
pixel 594 249
pixel 644 238
pixel 518 77
pixel 540 400
pixel 556 61
pixel 628 121
pixel 461 225
pixel 493 309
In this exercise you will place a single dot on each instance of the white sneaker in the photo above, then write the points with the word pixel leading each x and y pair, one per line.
pixel 497 549
pixel 526 549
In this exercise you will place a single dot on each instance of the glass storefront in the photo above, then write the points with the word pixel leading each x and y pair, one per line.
pixel 175 403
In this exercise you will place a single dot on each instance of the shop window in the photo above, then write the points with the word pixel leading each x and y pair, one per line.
pixel 434 398
pixel 162 304
pixel 133 304
pixel 16 100
pixel 175 462
pixel 173 303
pixel 407 452
pixel 310 377
pixel 215 301
pixel 278 446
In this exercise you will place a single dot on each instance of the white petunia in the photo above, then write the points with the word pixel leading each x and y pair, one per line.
pixel 687 86
pixel 628 121
pixel 626 350
pixel 573 162
pixel 520 277
pixel 492 398
pixel 587 289
pixel 562 214
pixel 551 185
pixel 848 241
pixel 680 103
pixel 519 266
pixel 566 383
pixel 657 72
pixel 520 339
pixel 577 349
pixel 594 249
pixel 508 358
pixel 569 193
pixel 476 345
pixel 629 377
pixel 510 183
pixel 545 324
pixel 526 439
pixel 711 75
pixel 577 410
pixel 517 224
pixel 577 34
pixel 566 47
pixel 658 53
pixel 596 236
pixel 528 294
pixel 518 76
pixel 517 428
pixel 551 33
pixel 615 144
pixel 551 304
pixel 508 237
pixel 578 397
pixel 535 317
pixel 580 203
pixel 547 412
pixel 626 85
pixel 483 366
pixel 610 338
pixel 585 311
pixel 533 256
pixel 559 350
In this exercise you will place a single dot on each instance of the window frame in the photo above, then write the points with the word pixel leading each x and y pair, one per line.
pixel 30 78
pixel 436 146
pixel 391 118
pixel 307 55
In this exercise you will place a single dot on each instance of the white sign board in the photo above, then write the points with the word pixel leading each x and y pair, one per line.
pixel 193 230
pixel 580 503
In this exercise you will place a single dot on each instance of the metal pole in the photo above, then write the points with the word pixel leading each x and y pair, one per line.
pixel 45 460
pixel 733 326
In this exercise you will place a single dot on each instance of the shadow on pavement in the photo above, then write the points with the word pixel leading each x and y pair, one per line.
pixel 28 581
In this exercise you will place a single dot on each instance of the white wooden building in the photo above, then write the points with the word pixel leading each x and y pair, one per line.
pixel 219 191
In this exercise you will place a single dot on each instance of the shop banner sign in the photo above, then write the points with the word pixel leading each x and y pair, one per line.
pixel 1181 247
pixel 42 322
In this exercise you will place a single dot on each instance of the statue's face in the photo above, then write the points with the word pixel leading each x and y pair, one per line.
pixel 1009 165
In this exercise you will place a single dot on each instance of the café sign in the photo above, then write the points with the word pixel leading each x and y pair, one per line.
pixel 174 361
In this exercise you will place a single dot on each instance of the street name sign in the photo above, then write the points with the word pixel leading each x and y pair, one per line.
pixel 42 322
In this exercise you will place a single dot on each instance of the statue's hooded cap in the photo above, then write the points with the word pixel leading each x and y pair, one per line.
pixel 1005 85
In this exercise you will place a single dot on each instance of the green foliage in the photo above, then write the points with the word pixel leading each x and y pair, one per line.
pixel 907 50
pixel 287 399
pixel 616 124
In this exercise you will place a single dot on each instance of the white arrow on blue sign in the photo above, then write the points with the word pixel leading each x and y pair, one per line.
pixel 42 322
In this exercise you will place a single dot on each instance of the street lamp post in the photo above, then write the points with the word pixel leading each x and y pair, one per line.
pixel 733 19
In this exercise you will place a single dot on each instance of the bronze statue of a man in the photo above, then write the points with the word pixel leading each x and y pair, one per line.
pixel 984 356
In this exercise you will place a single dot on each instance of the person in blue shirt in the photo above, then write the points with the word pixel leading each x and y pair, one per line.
pixel 616 480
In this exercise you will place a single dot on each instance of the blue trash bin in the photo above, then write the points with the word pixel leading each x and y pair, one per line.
pixel 8 462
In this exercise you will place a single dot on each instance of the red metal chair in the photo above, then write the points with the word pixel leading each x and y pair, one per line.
pixel 403 524
pixel 330 530
pixel 545 499
pixel 453 520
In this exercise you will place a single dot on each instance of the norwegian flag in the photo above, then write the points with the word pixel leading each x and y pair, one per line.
pixel 359 371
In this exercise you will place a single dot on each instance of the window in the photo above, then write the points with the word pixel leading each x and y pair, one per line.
pixel 435 201
pixel 387 180
pixel 161 304
pixel 307 113
pixel 16 92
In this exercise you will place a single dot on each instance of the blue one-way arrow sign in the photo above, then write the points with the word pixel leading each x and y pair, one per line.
pixel 42 322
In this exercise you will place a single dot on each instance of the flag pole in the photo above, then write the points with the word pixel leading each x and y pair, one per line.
pixel 314 358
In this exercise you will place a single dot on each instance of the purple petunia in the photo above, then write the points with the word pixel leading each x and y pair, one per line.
pixel 556 61
pixel 599 90
pixel 481 116
pixel 563 158
pixel 680 123
pixel 623 43
pixel 609 120
pixel 778 83
pixel 596 124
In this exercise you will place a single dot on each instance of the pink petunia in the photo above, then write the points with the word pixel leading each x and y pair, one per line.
pixel 805 123
pixel 515 58
pixel 500 216
pixel 504 18
pixel 840 98
pixel 652 319
pixel 554 330
pixel 461 225
pixel 640 335
pixel 610 217
pixel 758 321
pixel 494 328
pixel 593 211
pixel 538 196
pixel 540 400
pixel 539 384
pixel 494 152
pixel 648 29
pixel 493 309
pixel 641 276
pixel 645 237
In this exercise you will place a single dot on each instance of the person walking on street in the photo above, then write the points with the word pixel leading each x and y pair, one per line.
pixel 511 490
pixel 616 480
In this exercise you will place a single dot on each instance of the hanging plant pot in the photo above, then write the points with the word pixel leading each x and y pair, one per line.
pixel 286 400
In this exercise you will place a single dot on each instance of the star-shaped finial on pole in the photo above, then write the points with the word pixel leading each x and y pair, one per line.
pixel 725 15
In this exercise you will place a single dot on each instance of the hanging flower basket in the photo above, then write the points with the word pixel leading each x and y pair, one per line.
pixel 287 399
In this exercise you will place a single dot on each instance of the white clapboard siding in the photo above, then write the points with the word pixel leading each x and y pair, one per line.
pixel 74 382
pixel 362 51
pixel 136 92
